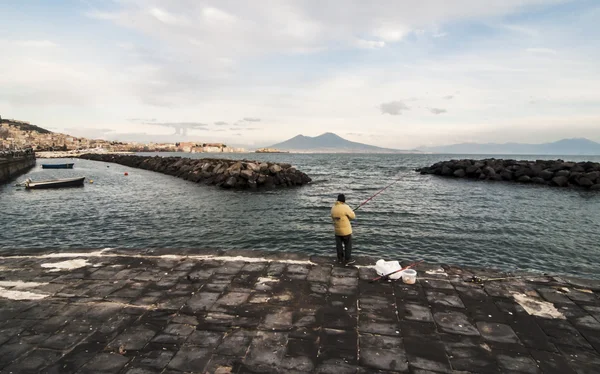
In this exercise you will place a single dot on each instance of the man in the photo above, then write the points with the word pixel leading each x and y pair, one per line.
pixel 341 215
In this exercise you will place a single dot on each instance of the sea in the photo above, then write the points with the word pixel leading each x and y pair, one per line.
pixel 509 227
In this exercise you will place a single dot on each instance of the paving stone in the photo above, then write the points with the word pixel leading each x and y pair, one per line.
pixel 441 284
pixel 11 351
pixel 105 363
pixel 266 350
pixel 174 333
pixel 582 361
pixel 235 343
pixel 223 365
pixel 201 301
pixel 279 321
pixel 156 359
pixel 384 359
pixel 455 323
pixel 444 299
pixel 319 274
pixel 34 361
pixel 551 363
pixel 497 332
pixel 133 339
pixel 517 363
pixel 209 339
pixel 190 358
pixel 230 300
pixel 415 312
pixel 427 353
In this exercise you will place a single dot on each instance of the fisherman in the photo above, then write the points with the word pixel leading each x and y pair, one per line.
pixel 341 215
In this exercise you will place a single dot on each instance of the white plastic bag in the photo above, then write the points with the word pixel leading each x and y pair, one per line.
pixel 385 267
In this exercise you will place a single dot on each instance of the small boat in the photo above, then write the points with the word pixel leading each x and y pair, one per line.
pixel 57 166
pixel 54 183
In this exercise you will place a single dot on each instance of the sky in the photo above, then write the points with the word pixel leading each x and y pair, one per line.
pixel 397 73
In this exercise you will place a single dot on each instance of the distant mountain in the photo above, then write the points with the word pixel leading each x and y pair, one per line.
pixel 576 146
pixel 328 142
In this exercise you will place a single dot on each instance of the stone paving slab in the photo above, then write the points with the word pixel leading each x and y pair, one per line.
pixel 196 311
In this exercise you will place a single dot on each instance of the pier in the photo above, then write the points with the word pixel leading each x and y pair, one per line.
pixel 203 311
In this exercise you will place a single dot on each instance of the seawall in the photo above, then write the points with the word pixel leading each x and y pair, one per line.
pixel 231 174
pixel 544 172
pixel 15 163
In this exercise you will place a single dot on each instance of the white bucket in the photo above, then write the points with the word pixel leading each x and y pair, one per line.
pixel 409 276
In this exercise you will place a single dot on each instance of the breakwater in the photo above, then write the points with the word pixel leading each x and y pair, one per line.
pixel 14 163
pixel 231 174
pixel 544 172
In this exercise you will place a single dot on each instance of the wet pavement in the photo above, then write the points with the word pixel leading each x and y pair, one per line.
pixel 199 311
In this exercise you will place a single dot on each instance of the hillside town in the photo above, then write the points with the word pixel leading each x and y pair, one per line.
pixel 16 134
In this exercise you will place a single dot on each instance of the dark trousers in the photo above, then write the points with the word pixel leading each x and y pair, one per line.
pixel 343 244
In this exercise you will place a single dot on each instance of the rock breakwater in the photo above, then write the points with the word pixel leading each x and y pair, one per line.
pixel 544 172
pixel 231 174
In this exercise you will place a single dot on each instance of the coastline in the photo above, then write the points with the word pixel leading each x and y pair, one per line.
pixel 228 311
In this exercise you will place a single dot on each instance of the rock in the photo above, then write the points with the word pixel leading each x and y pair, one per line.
pixel 489 171
pixel 263 167
pixel 252 166
pixel 447 171
pixel 246 174
pixel 274 169
pixel 593 176
pixel 231 182
pixel 524 179
pixel 538 180
pixel 562 173
pixel 506 175
pixel 560 181
pixel 460 173
pixel 585 182
pixel 546 174
pixel 472 170
pixel 595 187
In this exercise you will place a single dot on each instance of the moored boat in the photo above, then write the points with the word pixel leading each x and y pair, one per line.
pixel 54 183
pixel 57 166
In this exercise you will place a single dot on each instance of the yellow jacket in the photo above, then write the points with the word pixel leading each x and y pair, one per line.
pixel 341 215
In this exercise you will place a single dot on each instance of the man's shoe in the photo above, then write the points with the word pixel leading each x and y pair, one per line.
pixel 350 262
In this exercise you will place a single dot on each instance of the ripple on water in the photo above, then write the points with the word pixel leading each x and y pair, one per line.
pixel 464 222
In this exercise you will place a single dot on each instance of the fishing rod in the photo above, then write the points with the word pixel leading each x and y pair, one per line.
pixel 378 192
pixel 396 271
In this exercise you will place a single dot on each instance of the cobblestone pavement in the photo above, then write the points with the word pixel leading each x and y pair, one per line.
pixel 144 311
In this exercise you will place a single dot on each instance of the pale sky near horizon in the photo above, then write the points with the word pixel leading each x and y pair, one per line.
pixel 395 73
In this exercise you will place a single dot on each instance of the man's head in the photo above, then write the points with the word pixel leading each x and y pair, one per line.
pixel 341 198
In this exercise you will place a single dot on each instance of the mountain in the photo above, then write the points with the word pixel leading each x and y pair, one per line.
pixel 575 146
pixel 328 142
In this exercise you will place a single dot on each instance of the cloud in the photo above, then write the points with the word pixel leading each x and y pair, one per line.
pixel 437 110
pixel 393 108
pixel 449 97
pixel 542 51
pixel 181 128
pixel 35 43
pixel 142 120
pixel 370 44
pixel 250 119
pixel 221 123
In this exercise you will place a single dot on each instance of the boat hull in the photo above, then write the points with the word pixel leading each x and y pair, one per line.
pixel 59 183
pixel 57 166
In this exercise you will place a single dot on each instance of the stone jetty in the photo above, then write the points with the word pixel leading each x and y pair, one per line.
pixel 191 311
pixel 545 172
pixel 234 174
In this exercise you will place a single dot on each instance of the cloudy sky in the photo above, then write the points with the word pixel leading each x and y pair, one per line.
pixel 396 73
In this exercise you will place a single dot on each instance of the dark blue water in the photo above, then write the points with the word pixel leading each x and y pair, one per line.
pixel 506 226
